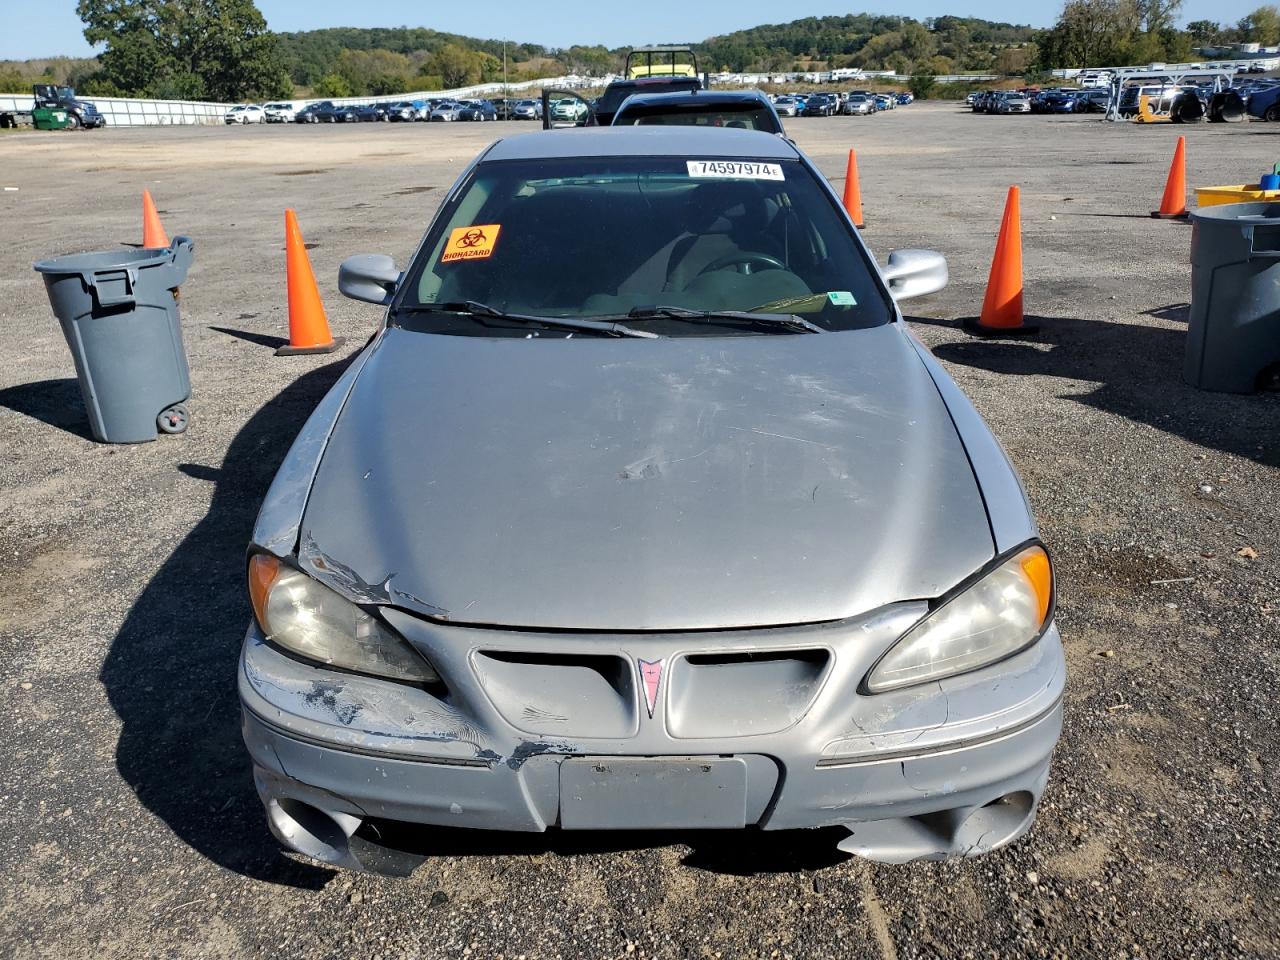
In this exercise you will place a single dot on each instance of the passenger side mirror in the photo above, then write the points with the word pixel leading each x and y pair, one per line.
pixel 914 273
pixel 371 277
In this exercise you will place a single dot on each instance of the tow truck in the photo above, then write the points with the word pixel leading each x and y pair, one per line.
pixel 667 69
pixel 54 108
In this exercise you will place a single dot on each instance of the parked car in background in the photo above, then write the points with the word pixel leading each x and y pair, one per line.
pixel 503 107
pixel 787 106
pixel 527 110
pixel 245 113
pixel 1094 100
pixel 821 105
pixel 1057 101
pixel 741 109
pixel 311 113
pixel 858 105
pixel 478 110
pixel 282 111
pixel 572 111
pixel 371 112
pixel 348 113
pixel 403 111
pixel 885 102
pixel 447 111
pixel 1160 95
pixel 1011 101
pixel 615 93
pixel 905 98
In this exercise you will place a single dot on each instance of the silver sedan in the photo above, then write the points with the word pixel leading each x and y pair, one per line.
pixel 694 535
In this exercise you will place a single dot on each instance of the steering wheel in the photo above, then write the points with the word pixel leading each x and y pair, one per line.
pixel 743 261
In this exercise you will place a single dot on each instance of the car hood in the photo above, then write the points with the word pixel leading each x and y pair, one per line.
pixel 669 484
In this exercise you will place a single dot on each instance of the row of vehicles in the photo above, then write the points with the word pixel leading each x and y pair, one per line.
pixel 850 103
pixel 1032 100
pixel 434 109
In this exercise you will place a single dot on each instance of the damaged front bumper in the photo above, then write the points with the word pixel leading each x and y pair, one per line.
pixel 760 727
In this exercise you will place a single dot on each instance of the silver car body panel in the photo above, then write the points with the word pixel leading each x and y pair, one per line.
pixel 675 484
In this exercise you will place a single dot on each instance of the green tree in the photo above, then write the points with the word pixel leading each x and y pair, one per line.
pixel 332 85
pixel 1204 32
pixel 375 72
pixel 14 81
pixel 921 85
pixel 456 65
pixel 201 49
pixel 1261 26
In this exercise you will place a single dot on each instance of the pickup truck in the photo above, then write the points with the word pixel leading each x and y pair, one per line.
pixel 59 100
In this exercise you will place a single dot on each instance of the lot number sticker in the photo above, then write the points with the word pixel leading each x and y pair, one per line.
pixel 471 243
pixel 735 170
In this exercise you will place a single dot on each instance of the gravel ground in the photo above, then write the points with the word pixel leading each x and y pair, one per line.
pixel 128 822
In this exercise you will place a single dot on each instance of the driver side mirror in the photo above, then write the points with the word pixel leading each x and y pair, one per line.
pixel 914 273
pixel 371 277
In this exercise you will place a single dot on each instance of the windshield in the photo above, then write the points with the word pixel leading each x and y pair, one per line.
pixel 595 237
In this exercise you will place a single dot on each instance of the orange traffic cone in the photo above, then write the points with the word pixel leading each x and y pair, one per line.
pixel 852 192
pixel 1002 306
pixel 1173 205
pixel 153 235
pixel 308 327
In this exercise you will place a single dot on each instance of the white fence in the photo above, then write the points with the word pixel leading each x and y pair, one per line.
pixel 123 112
pixel 127 112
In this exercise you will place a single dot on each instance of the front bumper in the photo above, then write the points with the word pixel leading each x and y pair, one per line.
pixel 946 769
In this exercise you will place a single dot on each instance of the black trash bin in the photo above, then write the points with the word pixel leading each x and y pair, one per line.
pixel 1233 342
pixel 119 313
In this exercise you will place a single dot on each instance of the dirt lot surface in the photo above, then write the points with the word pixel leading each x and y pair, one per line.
pixel 128 822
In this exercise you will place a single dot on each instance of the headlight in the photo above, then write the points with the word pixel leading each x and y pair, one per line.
pixel 304 616
pixel 1002 613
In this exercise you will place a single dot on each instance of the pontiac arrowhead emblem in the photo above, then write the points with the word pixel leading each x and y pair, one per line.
pixel 651 674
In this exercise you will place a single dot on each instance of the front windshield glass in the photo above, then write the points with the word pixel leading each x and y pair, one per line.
pixel 595 237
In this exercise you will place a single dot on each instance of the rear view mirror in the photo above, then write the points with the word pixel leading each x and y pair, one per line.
pixel 371 277
pixel 914 273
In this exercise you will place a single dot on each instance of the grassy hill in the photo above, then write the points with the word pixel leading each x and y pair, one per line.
pixel 342 61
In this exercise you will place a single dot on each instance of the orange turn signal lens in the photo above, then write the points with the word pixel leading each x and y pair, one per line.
pixel 263 570
pixel 1035 564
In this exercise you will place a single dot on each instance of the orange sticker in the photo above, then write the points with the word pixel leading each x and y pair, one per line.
pixel 471 243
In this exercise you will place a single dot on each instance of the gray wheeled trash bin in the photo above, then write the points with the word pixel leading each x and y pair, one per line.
pixel 1234 338
pixel 120 317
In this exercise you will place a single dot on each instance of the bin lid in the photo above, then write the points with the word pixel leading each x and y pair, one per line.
pixel 114 259
pixel 1257 211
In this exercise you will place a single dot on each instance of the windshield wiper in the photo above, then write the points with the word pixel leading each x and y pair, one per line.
pixel 789 320
pixel 607 328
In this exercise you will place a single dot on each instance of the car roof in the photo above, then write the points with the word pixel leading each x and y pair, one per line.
pixel 643 141
pixel 707 98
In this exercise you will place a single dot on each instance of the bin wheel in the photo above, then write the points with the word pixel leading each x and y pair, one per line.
pixel 173 420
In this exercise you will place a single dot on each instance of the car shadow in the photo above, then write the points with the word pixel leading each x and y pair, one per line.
pixel 1138 372
pixel 55 402
pixel 171 670
pixel 742 853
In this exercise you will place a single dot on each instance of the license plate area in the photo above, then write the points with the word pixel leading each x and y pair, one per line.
pixel 643 793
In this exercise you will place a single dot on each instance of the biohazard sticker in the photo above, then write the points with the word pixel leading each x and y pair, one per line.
pixel 734 170
pixel 471 243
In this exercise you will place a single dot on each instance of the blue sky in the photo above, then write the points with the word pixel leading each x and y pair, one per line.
pixel 50 27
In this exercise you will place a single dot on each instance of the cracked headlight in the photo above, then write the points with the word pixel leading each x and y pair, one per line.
pixel 305 617
pixel 1002 613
